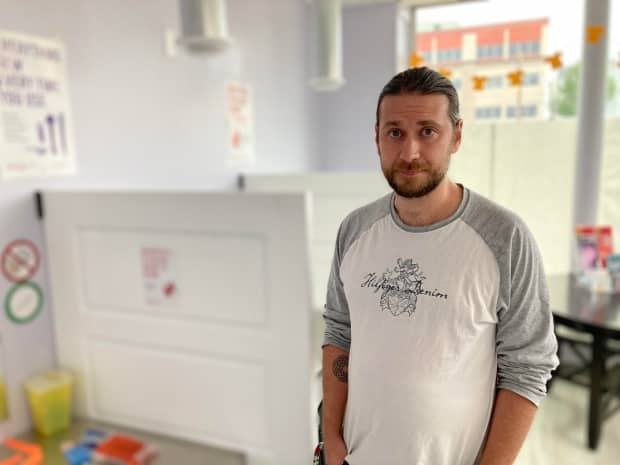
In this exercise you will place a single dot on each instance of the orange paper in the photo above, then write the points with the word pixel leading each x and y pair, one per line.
pixel 516 78
pixel 479 82
pixel 594 33
pixel 415 60
pixel 445 72
pixel 555 60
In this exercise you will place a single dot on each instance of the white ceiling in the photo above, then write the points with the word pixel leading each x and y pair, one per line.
pixel 405 2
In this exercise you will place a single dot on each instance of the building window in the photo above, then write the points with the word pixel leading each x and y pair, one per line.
pixel 457 83
pixel 525 48
pixel 449 55
pixel 530 79
pixel 494 82
pixel 490 51
pixel 488 112
pixel 527 111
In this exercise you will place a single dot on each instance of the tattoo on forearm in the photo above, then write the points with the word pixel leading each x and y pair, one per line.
pixel 340 368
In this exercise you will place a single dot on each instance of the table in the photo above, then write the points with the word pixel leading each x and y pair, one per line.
pixel 171 451
pixel 594 319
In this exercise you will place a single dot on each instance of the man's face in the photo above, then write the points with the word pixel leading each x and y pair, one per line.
pixel 415 139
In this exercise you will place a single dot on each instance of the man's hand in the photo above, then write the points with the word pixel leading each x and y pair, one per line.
pixel 335 450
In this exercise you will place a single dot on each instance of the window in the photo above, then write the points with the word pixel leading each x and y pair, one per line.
pixel 490 51
pixel 457 83
pixel 527 111
pixel 525 48
pixel 494 82
pixel 488 112
pixel 449 55
pixel 530 79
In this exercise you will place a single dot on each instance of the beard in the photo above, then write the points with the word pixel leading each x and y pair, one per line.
pixel 422 184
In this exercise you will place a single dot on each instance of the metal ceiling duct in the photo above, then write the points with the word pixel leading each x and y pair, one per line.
pixel 330 46
pixel 204 26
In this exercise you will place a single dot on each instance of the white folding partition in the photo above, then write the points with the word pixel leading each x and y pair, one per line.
pixel 334 195
pixel 225 357
pixel 534 173
pixel 609 197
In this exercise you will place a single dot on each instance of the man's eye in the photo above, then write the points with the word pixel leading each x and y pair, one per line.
pixel 427 132
pixel 395 133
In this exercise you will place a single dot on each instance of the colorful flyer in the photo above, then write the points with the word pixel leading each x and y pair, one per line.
pixel 36 137
pixel 158 271
pixel 241 123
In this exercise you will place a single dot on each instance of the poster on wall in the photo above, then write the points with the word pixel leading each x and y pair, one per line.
pixel 240 123
pixel 36 137
pixel 159 277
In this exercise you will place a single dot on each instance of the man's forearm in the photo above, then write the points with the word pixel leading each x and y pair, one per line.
pixel 335 386
pixel 510 422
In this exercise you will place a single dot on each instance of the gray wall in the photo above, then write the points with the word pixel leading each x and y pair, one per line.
pixel 143 120
pixel 346 117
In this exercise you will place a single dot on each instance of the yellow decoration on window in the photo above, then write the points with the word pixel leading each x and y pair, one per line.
pixel 516 78
pixel 555 60
pixel 479 82
pixel 594 33
pixel 445 73
pixel 415 60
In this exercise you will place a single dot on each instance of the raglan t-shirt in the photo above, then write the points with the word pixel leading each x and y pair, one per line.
pixel 435 319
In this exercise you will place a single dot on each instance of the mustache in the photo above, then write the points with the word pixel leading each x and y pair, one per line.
pixel 412 166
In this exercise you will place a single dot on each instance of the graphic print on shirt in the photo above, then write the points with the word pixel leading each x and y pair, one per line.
pixel 401 287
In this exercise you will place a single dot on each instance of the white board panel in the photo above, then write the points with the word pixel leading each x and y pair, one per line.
pixel 180 385
pixel 206 267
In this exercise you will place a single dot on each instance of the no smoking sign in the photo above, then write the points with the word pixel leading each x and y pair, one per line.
pixel 20 261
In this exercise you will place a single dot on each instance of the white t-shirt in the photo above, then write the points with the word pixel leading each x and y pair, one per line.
pixel 428 314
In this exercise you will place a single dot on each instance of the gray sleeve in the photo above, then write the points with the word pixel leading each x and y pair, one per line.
pixel 526 344
pixel 336 314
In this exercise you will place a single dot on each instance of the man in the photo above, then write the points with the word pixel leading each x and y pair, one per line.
pixel 439 339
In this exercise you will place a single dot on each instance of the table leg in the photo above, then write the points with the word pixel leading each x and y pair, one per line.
pixel 597 376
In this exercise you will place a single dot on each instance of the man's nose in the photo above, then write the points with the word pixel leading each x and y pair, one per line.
pixel 410 150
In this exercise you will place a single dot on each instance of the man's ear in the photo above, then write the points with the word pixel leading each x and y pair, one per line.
pixel 458 133
pixel 377 137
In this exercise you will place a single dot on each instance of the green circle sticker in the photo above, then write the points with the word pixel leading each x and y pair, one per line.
pixel 24 302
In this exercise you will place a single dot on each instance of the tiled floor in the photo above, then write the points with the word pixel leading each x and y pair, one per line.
pixel 559 437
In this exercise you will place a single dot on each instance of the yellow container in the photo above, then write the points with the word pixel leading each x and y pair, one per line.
pixel 4 405
pixel 49 396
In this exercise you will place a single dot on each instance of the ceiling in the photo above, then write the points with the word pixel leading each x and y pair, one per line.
pixel 405 2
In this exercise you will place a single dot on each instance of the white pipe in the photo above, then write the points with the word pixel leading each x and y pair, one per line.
pixel 204 25
pixel 591 118
pixel 329 15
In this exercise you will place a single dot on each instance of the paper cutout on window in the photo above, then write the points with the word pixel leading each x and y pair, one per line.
pixel 555 60
pixel 594 33
pixel 445 73
pixel 415 60
pixel 516 78
pixel 479 82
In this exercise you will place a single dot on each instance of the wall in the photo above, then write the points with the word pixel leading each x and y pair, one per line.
pixel 143 120
pixel 347 118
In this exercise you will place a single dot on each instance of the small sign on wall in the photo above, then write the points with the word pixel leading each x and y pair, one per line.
pixel 36 137
pixel 159 277
pixel 24 302
pixel 20 260
pixel 240 114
